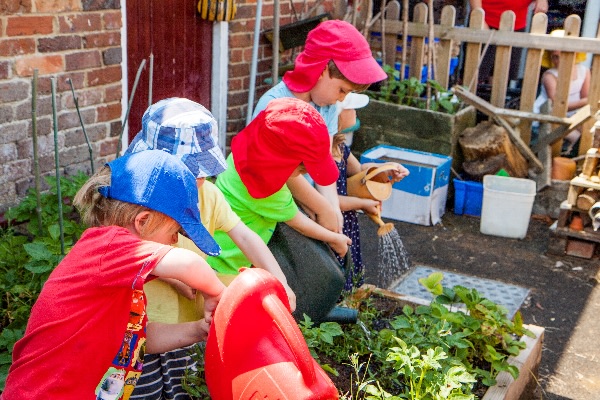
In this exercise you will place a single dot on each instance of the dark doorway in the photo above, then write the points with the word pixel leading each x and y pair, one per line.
pixel 181 43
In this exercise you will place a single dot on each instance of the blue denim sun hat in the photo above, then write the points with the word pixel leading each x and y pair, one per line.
pixel 185 129
pixel 159 181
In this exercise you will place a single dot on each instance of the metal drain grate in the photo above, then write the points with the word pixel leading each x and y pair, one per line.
pixel 509 296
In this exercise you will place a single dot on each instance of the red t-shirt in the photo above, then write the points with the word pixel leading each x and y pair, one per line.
pixel 494 9
pixel 85 337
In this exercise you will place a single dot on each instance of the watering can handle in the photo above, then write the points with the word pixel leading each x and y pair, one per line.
pixel 378 170
pixel 292 335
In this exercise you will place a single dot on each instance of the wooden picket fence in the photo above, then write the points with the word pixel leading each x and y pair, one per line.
pixel 475 38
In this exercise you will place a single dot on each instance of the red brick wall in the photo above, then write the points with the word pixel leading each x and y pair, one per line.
pixel 81 40
pixel 76 39
pixel 241 33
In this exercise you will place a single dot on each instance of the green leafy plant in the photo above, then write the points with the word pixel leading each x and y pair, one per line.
pixel 449 349
pixel 430 373
pixel 430 351
pixel 28 255
pixel 320 338
pixel 410 92
pixel 193 381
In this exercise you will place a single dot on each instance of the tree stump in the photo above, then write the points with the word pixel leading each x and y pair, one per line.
pixel 487 148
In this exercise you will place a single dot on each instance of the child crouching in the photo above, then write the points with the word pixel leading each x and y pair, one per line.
pixel 88 332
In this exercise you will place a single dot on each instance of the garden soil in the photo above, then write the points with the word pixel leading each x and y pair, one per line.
pixel 564 291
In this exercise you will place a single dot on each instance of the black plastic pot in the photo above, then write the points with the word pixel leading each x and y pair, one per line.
pixel 312 271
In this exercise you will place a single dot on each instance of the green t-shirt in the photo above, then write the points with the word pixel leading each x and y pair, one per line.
pixel 260 215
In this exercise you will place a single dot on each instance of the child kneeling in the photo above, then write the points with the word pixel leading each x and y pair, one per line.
pixel 88 332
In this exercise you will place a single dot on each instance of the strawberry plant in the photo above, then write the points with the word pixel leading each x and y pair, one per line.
pixel 430 351
pixel 409 92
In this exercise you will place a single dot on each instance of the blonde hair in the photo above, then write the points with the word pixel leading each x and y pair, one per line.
pixel 97 210
pixel 338 139
pixel 335 72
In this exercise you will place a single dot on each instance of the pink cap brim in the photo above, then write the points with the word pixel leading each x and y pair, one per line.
pixel 363 72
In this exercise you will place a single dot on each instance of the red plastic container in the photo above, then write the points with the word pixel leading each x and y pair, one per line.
pixel 255 349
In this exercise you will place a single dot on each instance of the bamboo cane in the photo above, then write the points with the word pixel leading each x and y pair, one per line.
pixel 36 158
pixel 57 167
pixel 150 79
pixel 135 83
pixel 383 46
pixel 87 139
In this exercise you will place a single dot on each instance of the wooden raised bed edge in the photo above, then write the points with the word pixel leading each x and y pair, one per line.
pixel 528 360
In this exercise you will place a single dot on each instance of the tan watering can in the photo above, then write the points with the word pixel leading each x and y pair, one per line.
pixel 367 185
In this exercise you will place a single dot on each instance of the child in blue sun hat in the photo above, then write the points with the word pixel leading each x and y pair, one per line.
pixel 188 130
pixel 92 307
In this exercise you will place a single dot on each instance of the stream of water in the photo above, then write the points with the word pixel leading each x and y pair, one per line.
pixel 394 261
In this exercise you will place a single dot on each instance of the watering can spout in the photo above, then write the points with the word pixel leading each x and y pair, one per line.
pixel 384 228
pixel 377 219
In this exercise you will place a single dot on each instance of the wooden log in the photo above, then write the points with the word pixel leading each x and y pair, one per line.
pixel 587 199
pixel 477 169
pixel 487 140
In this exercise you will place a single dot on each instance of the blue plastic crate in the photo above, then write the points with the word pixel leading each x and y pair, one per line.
pixel 468 197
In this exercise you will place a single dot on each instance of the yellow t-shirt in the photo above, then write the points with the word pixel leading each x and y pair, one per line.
pixel 165 304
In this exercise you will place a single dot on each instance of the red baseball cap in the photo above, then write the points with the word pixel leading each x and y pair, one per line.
pixel 341 42
pixel 287 133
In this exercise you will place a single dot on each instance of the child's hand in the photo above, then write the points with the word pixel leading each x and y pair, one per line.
pixel 210 305
pixel 203 328
pixel 340 244
pixel 396 175
pixel 291 297
pixel 371 206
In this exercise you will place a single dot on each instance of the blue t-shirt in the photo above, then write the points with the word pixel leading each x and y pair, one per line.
pixel 329 113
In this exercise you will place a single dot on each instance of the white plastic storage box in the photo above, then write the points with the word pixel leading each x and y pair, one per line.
pixel 507 205
pixel 420 198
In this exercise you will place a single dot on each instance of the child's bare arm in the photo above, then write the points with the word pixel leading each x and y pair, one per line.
pixel 349 203
pixel 181 288
pixel 317 204
pixel 166 337
pixel 338 241
pixel 194 271
pixel 330 193
pixel 354 166
pixel 260 256
pixel 394 175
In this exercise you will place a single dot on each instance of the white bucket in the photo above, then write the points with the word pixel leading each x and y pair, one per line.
pixel 506 207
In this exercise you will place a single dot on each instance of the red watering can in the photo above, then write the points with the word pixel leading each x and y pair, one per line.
pixel 255 349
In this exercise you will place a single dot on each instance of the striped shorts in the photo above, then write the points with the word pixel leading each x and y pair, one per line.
pixel 162 376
